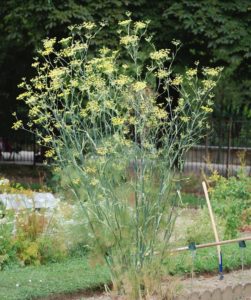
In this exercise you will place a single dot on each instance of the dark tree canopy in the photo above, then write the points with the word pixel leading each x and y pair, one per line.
pixel 214 32
pixel 218 33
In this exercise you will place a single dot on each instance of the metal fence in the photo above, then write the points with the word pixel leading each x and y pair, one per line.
pixel 226 146
pixel 18 147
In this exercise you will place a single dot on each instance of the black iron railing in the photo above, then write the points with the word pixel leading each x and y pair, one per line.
pixel 226 146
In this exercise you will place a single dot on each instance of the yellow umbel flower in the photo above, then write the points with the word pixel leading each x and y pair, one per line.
pixel 140 25
pixel 207 109
pixel 208 84
pixel 117 121
pixel 89 25
pixel 129 40
pixel 17 125
pixel 48 46
pixel 185 119
pixel 191 72
pixel 177 80
pixel 122 80
pixel 139 86
pixel 47 139
pixel 101 151
pixel 160 54
pixel 49 153
pixel 125 23
pixel 214 72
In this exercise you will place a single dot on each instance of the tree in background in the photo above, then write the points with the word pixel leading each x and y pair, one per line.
pixel 218 32
pixel 26 23
pixel 215 32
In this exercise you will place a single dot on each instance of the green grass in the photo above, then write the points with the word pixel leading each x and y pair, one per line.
pixel 75 274
pixel 70 276
pixel 192 200
pixel 206 259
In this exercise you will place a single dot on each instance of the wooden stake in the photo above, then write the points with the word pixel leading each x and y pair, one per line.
pixel 214 228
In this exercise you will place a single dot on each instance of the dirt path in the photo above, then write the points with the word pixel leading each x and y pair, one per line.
pixel 202 283
pixel 199 285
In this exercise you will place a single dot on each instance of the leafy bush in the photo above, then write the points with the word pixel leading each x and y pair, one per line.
pixel 25 242
pixel 231 199
pixel 31 237
pixel 101 115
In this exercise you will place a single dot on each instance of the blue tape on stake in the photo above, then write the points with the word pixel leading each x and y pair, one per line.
pixel 192 246
pixel 221 267
pixel 242 244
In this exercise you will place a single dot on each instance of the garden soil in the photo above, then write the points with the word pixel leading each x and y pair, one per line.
pixel 187 286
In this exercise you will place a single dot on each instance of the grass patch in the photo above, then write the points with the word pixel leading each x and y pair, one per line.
pixel 31 282
pixel 206 260
pixel 192 200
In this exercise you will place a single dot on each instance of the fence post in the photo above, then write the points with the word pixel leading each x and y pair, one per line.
pixel 229 145
pixel 34 150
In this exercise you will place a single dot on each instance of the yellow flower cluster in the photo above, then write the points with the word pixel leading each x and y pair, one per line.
pixel 48 46
pixel 160 113
pixel 140 25
pixel 125 23
pixel 65 41
pixel 129 40
pixel 177 80
pixel 207 109
pixel 191 72
pixel 75 62
pixel 65 93
pixel 58 72
pixel 90 170
pixel 35 64
pixel 185 119
pixel 78 47
pixel 161 54
pixel 107 67
pixel 101 151
pixel 109 104
pixel 214 72
pixel 83 113
pixel 118 121
pixel 104 51
pixel 47 139
pixel 18 124
pixel 76 181
pixel 49 153
pixel 34 111
pixel 162 73
pixel 74 83
pixel 39 85
pixel 24 95
pixel 139 86
pixel 208 84
pixel 89 25
pixel 132 120
pixel 93 106
pixel 122 80
pixel 176 42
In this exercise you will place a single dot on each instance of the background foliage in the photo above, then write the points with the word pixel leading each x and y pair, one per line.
pixel 215 32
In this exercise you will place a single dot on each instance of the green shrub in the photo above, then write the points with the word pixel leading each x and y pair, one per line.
pixel 101 116
pixel 231 200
